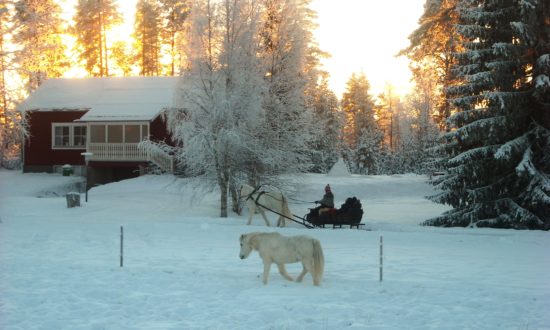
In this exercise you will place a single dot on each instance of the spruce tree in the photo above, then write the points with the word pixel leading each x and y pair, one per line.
pixel 362 135
pixel 498 176
pixel 326 146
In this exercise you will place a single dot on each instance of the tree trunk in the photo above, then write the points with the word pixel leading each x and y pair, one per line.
pixel 236 207
pixel 223 183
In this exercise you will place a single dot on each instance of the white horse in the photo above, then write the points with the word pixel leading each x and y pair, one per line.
pixel 260 201
pixel 281 250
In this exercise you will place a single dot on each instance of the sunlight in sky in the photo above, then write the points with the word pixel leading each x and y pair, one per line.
pixel 365 35
pixel 361 35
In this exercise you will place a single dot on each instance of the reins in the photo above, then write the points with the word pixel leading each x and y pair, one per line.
pixel 284 216
pixel 300 201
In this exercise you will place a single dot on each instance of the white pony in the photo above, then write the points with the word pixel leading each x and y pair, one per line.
pixel 260 201
pixel 281 250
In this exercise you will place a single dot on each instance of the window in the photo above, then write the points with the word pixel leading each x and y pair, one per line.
pixel 118 133
pixel 62 136
pixel 97 133
pixel 131 133
pixel 68 136
pixel 79 133
pixel 114 133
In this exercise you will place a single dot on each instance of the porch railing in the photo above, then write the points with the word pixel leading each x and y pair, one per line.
pixel 116 152
pixel 130 152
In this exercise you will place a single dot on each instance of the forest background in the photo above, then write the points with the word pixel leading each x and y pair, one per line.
pixel 255 101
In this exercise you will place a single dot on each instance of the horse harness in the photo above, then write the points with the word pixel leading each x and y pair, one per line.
pixel 267 208
pixel 257 197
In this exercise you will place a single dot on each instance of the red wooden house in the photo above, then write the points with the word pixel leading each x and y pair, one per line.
pixel 104 117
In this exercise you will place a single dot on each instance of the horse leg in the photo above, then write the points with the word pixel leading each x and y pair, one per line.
pixel 283 272
pixel 251 211
pixel 302 274
pixel 308 267
pixel 267 267
pixel 281 222
pixel 262 212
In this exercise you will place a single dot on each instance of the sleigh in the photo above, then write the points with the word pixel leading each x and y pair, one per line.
pixel 349 214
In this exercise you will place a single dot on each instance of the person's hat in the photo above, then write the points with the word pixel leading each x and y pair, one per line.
pixel 327 188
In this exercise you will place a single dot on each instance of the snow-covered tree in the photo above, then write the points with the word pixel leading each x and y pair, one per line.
pixel 38 35
pixel 93 19
pixel 498 175
pixel 285 38
pixel 362 135
pixel 147 29
pixel 221 94
pixel 421 144
pixel 327 145
pixel 12 124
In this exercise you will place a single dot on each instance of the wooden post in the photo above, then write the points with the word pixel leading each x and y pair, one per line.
pixel 121 246
pixel 381 258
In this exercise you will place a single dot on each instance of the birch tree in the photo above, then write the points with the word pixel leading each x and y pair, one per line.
pixel 286 33
pixel 221 94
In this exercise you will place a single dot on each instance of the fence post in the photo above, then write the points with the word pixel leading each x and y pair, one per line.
pixel 381 258
pixel 121 246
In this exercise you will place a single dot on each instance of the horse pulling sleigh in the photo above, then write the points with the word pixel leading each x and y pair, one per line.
pixel 349 214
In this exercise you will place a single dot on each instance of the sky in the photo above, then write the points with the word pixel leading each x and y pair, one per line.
pixel 60 267
pixel 361 35
pixel 365 35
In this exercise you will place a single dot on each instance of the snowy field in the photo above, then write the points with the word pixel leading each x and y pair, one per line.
pixel 59 267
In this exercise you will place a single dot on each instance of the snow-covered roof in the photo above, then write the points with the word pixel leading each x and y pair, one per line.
pixel 107 98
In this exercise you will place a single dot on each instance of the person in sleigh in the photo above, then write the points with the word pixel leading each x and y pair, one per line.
pixel 327 202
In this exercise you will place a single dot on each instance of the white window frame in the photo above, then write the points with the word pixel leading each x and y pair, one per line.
pixel 71 145
pixel 123 124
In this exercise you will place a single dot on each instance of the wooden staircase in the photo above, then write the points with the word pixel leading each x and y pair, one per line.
pixel 157 155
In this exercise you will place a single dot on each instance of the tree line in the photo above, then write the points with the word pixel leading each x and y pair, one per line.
pixel 255 103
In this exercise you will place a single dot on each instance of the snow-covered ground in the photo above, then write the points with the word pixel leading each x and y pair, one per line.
pixel 59 267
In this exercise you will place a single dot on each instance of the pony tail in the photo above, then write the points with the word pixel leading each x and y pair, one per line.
pixel 318 262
